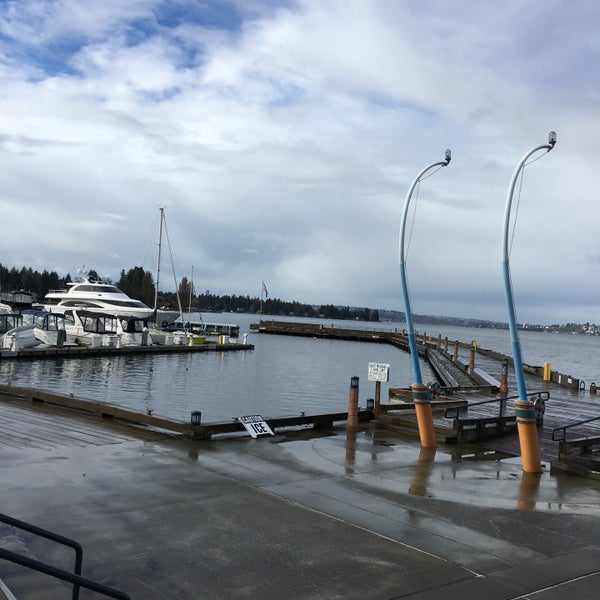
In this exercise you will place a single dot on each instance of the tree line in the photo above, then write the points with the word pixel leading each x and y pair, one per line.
pixel 139 284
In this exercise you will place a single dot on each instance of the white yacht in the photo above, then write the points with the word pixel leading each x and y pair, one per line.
pixel 94 328
pixel 97 296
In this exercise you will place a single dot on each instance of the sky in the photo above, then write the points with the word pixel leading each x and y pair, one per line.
pixel 282 138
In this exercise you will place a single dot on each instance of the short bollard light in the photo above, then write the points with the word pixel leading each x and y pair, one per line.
pixel 353 403
pixel 370 403
pixel 503 391
pixel 196 418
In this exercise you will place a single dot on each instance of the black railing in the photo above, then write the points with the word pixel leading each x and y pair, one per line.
pixel 563 430
pixel 449 414
pixel 75 578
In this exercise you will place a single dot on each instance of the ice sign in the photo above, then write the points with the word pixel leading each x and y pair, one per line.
pixel 379 372
pixel 255 425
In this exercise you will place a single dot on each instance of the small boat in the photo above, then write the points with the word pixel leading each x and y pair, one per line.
pixel 19 338
pixel 48 328
pixel 90 328
pixel 9 320
pixel 134 332
pixel 15 334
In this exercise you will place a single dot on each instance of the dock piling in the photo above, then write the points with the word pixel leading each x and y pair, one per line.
pixel 353 403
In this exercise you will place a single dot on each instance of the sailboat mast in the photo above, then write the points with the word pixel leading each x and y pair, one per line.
pixel 162 210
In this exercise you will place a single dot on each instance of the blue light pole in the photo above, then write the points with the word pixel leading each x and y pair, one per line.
pixel 524 409
pixel 512 320
pixel 409 321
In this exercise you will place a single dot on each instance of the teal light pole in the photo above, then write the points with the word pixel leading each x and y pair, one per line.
pixel 409 321
pixel 512 319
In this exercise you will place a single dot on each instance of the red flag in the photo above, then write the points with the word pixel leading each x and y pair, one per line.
pixel 265 290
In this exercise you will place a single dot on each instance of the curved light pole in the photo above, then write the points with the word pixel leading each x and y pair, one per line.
pixel 420 392
pixel 409 321
pixel 524 409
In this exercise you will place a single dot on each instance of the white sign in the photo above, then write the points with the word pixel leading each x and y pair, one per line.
pixel 379 372
pixel 255 425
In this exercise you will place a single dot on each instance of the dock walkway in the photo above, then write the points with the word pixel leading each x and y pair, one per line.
pixel 360 515
pixel 493 423
pixel 75 351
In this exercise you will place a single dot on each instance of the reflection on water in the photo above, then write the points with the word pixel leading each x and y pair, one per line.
pixel 281 376
pixel 422 472
pixel 528 490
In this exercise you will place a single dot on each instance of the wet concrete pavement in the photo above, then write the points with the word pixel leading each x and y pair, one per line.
pixel 345 515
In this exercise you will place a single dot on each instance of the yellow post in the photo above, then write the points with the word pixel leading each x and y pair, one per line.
pixel 353 403
pixel 472 358
pixel 424 416
pixel 528 437
pixel 547 372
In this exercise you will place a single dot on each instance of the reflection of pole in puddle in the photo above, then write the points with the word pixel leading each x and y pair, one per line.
pixel 528 489
pixel 418 485
pixel 350 449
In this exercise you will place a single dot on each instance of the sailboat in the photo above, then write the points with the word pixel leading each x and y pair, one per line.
pixel 164 317
pixel 190 330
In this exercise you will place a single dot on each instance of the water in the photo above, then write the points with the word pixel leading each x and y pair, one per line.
pixel 282 376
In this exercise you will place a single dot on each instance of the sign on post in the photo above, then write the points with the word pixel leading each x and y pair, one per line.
pixel 379 372
pixel 255 425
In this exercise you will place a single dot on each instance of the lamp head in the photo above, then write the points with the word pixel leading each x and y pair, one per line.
pixel 552 138
pixel 448 155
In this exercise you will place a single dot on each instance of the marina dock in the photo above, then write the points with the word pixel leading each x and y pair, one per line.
pixel 316 511
pixel 471 408
pixel 76 351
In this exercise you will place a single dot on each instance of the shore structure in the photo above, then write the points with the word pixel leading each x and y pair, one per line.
pixel 304 514
pixel 475 402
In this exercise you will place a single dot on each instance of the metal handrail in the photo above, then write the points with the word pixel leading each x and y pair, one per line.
pixel 563 437
pixel 75 578
pixel 18 524
pixel 448 414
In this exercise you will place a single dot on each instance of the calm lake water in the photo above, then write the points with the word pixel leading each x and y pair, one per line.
pixel 283 375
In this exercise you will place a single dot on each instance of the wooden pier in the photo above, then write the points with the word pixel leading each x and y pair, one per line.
pixel 149 425
pixel 76 351
pixel 470 409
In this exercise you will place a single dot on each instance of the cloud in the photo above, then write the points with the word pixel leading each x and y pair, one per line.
pixel 282 138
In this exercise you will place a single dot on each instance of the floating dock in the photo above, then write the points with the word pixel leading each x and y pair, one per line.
pixel 471 409
pixel 76 351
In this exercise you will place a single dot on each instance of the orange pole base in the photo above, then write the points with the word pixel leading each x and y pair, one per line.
pixel 528 437
pixel 424 415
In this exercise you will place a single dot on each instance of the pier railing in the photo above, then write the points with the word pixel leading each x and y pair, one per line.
pixel 532 396
pixel 75 577
pixel 559 434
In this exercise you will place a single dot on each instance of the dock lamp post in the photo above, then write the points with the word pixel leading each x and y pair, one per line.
pixel 420 391
pixel 524 409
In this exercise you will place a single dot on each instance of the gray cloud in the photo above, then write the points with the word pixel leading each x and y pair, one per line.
pixel 282 138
